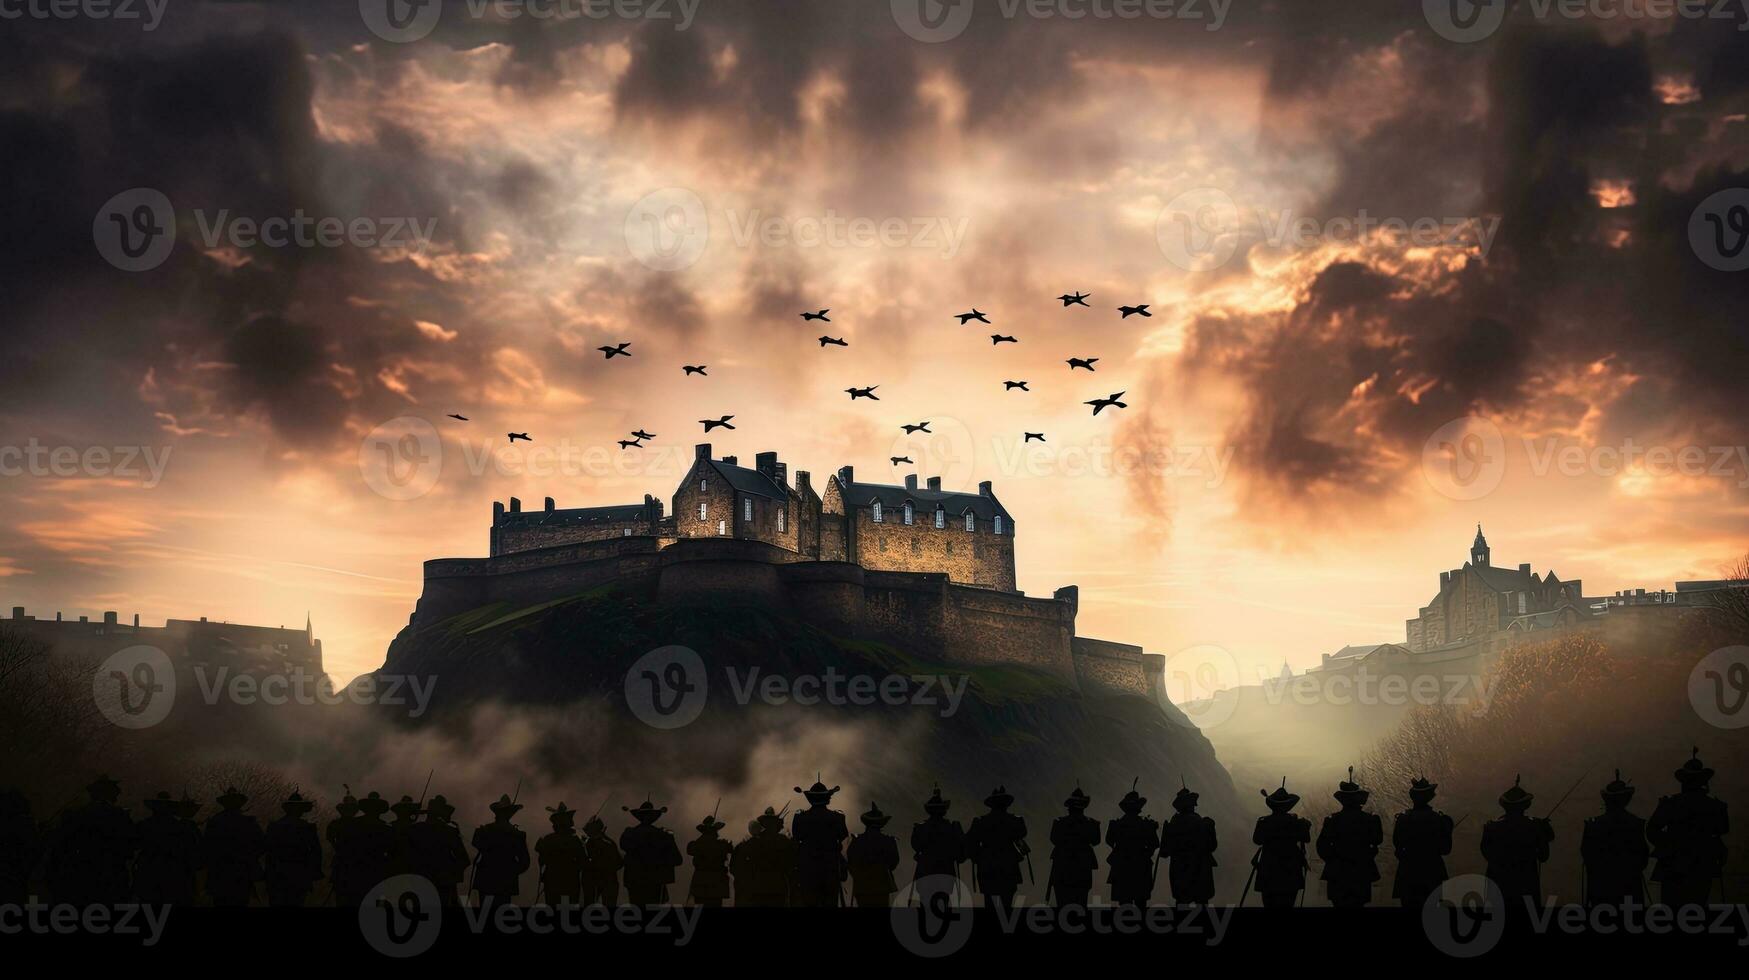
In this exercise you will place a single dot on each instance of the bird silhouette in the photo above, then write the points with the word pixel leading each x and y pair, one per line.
pixel 1129 311
pixel 1035 437
pixel 722 423
pixel 619 350
pixel 818 316
pixel 641 434
pixel 1100 404
pixel 630 444
pixel 835 341
pixel 519 435
pixel 1082 362
pixel 868 392
pixel 459 418
pixel 919 427
pixel 1011 385
pixel 997 338
pixel 1074 299
pixel 900 459
pixel 976 314
pixel 695 369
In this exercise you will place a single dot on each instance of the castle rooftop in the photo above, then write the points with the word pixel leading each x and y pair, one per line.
pixel 983 503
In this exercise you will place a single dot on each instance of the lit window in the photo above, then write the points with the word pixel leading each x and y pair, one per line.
pixel 723 527
pixel 782 513
pixel 704 486
pixel 877 512
pixel 940 517
pixel 996 528
pixel 625 532
pixel 746 508
pixel 704 511
pixel 908 512
pixel 971 521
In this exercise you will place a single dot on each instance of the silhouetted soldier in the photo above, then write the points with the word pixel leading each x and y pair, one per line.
pixel 1281 839
pixel 938 844
pixel 764 863
pixel 345 880
pixel 560 854
pixel 650 856
pixel 18 847
pixel 996 846
pixel 438 851
pixel 1348 844
pixel 233 843
pixel 1515 846
pixel 375 843
pixel 1615 850
pixel 1188 841
pixel 88 862
pixel 406 811
pixel 1687 832
pixel 1134 840
pixel 601 864
pixel 1074 835
pixel 169 856
pixel 873 856
pixel 819 833
pixel 500 855
pixel 710 864
pixel 1421 839
pixel 294 854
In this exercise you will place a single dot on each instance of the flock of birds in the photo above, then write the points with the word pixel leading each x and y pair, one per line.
pixel 1114 400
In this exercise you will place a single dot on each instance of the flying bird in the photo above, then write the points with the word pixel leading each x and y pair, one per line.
pixel 1011 385
pixel 459 418
pixel 1100 404
pixel 1035 437
pixel 616 351
pixel 722 423
pixel 1074 299
pixel 997 338
pixel 641 434
pixel 868 392
pixel 900 459
pixel 630 444
pixel 1129 311
pixel 818 316
pixel 1082 362
pixel 695 368
pixel 836 341
pixel 919 427
pixel 519 435
pixel 966 318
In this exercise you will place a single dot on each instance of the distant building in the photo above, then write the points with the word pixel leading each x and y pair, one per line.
pixel 192 642
pixel 1479 600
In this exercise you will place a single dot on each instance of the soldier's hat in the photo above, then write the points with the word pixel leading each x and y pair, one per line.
pixel 232 798
pixel 187 807
pixel 1516 797
pixel 999 798
pixel 1693 772
pixel 373 805
pixel 770 820
pixel 935 805
pixel 104 788
pixel 1184 799
pixel 646 811
pixel 439 808
pixel 752 828
pixel 295 803
pixel 1132 801
pixel 405 807
pixel 161 802
pixel 594 825
pixel 874 818
pixel 1617 790
pixel 817 793
pixel 561 814
pixel 1349 791
pixel 710 825
pixel 348 804
pixel 505 806
pixel 1420 788
pixel 1078 800
pixel 1281 800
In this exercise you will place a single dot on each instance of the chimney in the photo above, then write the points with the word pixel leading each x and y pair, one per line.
pixel 846 475
pixel 109 619
pixel 549 505
pixel 766 463
pixel 136 620
pixel 1070 594
pixel 804 480
pixel 984 489
pixel 732 460
pixel 17 612
pixel 497 512
pixel 701 451
pixel 515 505
pixel 911 482
pixel 1524 567
pixel 783 474
pixel 935 483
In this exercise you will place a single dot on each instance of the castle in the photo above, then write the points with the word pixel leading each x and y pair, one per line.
pixel 927 569
pixel 186 641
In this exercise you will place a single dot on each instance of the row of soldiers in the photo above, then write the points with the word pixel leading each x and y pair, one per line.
pixel 98 855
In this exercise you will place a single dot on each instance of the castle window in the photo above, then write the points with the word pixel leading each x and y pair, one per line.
pixel 876 512
pixel 625 532
pixel 704 486
pixel 940 517
pixel 782 514
pixel 996 528
pixel 971 521
pixel 704 511
pixel 746 508
pixel 909 512
pixel 722 527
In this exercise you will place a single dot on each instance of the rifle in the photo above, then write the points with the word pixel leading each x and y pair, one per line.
pixel 427 788
pixel 1252 877
pixel 1564 796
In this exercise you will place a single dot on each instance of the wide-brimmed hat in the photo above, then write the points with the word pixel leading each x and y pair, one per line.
pixel 1349 791
pixel 646 811
pixel 935 804
pixel 999 798
pixel 594 826
pixel 1517 797
pixel 1184 799
pixel 874 817
pixel 1133 801
pixel 770 819
pixel 1281 799
pixel 817 793
pixel 232 798
pixel 1078 800
pixel 104 788
pixel 187 807
pixel 295 803
pixel 1617 790
pixel 710 825
pixel 161 802
pixel 348 804
pixel 1693 772
pixel 561 814
pixel 1420 788
pixel 505 806
pixel 406 806
pixel 439 808
pixel 373 805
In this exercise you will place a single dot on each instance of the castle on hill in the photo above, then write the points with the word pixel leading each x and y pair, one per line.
pixel 926 569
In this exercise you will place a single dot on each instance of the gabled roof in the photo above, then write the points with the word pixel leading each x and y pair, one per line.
pixel 575 516
pixel 891 497
pixel 744 480
pixel 1504 579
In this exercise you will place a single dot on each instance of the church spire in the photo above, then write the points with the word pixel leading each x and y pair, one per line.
pixel 1479 550
pixel 309 628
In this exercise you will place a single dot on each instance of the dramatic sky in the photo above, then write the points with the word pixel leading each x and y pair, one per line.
pixel 1321 408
